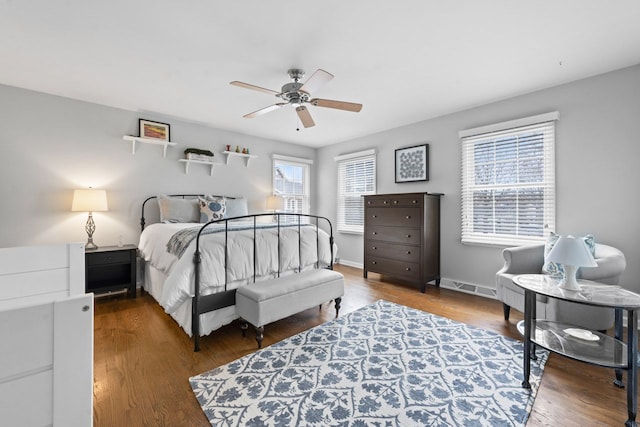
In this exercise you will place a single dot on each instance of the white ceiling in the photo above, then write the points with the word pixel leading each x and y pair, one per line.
pixel 406 61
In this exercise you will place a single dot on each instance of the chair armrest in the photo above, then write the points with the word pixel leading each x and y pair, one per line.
pixel 523 260
pixel 611 264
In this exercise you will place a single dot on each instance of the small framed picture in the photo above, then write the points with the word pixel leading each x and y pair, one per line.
pixel 412 163
pixel 154 130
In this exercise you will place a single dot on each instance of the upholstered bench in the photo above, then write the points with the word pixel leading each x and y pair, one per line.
pixel 265 302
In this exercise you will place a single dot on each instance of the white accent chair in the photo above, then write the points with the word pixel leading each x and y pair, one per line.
pixel 529 260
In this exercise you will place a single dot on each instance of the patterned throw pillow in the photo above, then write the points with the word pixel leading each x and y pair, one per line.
pixel 211 208
pixel 554 269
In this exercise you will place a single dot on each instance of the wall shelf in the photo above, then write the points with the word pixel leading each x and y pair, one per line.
pixel 202 162
pixel 134 139
pixel 247 157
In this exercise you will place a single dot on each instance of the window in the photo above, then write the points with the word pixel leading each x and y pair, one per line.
pixel 291 182
pixel 508 181
pixel 356 178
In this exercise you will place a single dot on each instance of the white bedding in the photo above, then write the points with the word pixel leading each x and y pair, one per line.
pixel 178 287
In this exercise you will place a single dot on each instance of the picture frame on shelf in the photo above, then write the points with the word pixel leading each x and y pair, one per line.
pixel 412 163
pixel 154 130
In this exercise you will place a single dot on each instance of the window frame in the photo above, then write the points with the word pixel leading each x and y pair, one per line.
pixel 341 163
pixel 544 209
pixel 305 164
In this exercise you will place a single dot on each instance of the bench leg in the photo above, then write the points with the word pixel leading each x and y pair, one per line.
pixel 338 301
pixel 259 335
pixel 244 326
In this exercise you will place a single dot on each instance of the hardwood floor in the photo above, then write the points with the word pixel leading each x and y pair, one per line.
pixel 143 359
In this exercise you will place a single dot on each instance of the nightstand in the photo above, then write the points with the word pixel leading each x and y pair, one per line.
pixel 111 268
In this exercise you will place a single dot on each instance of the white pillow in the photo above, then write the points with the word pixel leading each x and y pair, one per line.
pixel 236 207
pixel 175 209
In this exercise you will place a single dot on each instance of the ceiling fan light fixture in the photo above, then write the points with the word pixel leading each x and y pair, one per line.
pixel 297 94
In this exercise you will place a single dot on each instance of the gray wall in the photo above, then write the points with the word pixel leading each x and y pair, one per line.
pixel 50 145
pixel 597 172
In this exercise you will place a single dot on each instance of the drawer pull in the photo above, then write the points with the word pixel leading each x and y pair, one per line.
pixel 414 202
pixel 375 232
pixel 374 262
pixel 374 248
pixel 408 269
pixel 408 216
pixel 375 216
pixel 395 202
pixel 408 236
pixel 368 202
pixel 408 252
pixel 386 202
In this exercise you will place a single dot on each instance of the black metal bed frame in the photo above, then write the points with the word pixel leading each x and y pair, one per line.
pixel 201 304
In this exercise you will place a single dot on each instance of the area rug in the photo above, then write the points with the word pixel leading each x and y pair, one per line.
pixel 382 365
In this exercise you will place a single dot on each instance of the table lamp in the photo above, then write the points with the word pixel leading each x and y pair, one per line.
pixel 275 203
pixel 572 253
pixel 89 200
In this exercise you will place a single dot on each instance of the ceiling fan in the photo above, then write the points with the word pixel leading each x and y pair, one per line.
pixel 298 94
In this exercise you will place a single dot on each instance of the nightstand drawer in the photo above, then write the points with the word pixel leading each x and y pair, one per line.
pixel 114 257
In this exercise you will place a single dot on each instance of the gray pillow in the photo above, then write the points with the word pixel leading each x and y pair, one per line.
pixel 174 209
pixel 236 207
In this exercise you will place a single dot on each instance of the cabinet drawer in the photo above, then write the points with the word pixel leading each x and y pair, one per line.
pixel 393 251
pixel 393 200
pixel 102 258
pixel 409 236
pixel 402 217
pixel 408 270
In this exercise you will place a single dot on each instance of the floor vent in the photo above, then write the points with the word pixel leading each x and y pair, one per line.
pixel 469 288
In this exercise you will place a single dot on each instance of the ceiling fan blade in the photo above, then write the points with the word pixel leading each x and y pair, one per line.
pixel 305 116
pixel 339 105
pixel 254 87
pixel 264 110
pixel 316 81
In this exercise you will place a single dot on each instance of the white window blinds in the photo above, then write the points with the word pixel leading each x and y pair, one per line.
pixel 356 177
pixel 508 182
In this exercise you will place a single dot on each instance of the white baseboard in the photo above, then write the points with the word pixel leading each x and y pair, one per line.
pixel 349 263
pixel 468 288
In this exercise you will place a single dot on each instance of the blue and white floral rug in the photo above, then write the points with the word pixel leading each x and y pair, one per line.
pixel 382 365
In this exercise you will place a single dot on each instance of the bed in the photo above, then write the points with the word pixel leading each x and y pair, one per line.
pixel 192 269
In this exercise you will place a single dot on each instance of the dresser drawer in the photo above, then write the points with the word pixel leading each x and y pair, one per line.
pixel 114 257
pixel 393 251
pixel 401 217
pixel 391 200
pixel 407 270
pixel 408 236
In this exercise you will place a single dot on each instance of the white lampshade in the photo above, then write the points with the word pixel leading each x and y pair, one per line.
pixel 571 252
pixel 275 203
pixel 89 200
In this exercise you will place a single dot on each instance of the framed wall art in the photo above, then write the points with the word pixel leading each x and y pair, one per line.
pixel 412 163
pixel 154 130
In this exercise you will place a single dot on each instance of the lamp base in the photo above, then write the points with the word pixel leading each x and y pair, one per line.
pixel 90 227
pixel 570 283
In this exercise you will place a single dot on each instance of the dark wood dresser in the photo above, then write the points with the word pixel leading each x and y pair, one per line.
pixel 402 236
